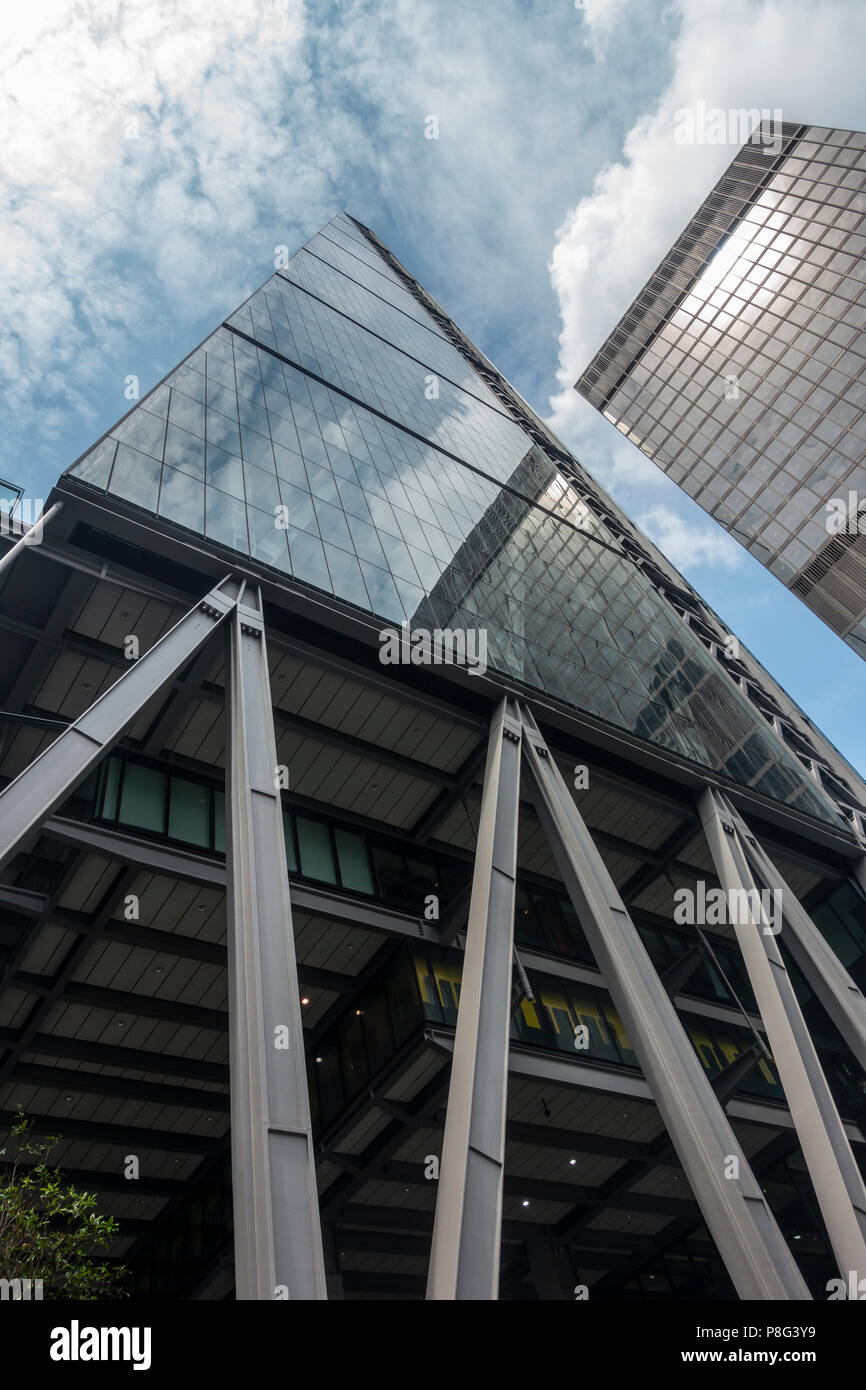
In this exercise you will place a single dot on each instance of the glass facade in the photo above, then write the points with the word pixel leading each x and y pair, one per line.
pixel 749 387
pixel 137 796
pixel 330 431
pixel 421 986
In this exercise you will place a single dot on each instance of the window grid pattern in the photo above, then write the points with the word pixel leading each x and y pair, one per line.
pixel 778 312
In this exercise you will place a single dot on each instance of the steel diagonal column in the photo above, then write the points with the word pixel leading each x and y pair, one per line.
pixel 28 801
pixel 835 1176
pixel 754 1251
pixel 464 1259
pixel 278 1241
pixel 31 537
pixel 820 965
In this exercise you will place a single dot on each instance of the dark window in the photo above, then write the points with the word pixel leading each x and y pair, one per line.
pixel 143 798
pixel 189 812
pixel 354 862
pixel 314 845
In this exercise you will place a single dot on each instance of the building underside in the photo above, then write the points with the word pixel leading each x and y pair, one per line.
pixel 115 1031
pixel 485 835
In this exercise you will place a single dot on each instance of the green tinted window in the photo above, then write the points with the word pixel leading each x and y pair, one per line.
pixel 354 864
pixel 142 801
pixel 110 789
pixel 314 844
pixel 289 834
pixel 189 812
pixel 219 822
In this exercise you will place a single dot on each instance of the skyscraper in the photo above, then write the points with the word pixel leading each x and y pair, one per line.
pixel 338 694
pixel 738 369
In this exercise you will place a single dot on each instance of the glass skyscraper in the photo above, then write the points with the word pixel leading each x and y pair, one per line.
pixel 739 367
pixel 330 430
pixel 248 882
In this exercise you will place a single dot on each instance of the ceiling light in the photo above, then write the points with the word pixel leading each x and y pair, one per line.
pixel 526 1203
pixel 572 1162
pixel 305 1000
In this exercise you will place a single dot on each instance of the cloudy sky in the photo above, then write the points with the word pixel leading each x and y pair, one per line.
pixel 154 153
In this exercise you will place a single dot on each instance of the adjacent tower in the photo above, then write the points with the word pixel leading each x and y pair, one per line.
pixel 739 368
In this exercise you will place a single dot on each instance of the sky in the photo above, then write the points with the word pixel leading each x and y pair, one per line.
pixel 155 153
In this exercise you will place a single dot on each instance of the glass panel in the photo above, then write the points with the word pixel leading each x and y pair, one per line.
pixel 135 477
pixel 289 836
pixel 268 541
pixel 219 822
pixel 314 845
pixel 227 520
pixel 189 812
pixel 185 452
pixel 181 499
pixel 142 801
pixel 354 863
pixel 110 789
pixel 95 467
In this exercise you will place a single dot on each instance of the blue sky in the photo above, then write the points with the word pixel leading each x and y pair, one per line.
pixel 154 154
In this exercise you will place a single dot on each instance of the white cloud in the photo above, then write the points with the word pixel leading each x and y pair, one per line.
pixel 602 18
pixel 257 120
pixel 803 58
pixel 92 216
pixel 626 469
pixel 689 546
